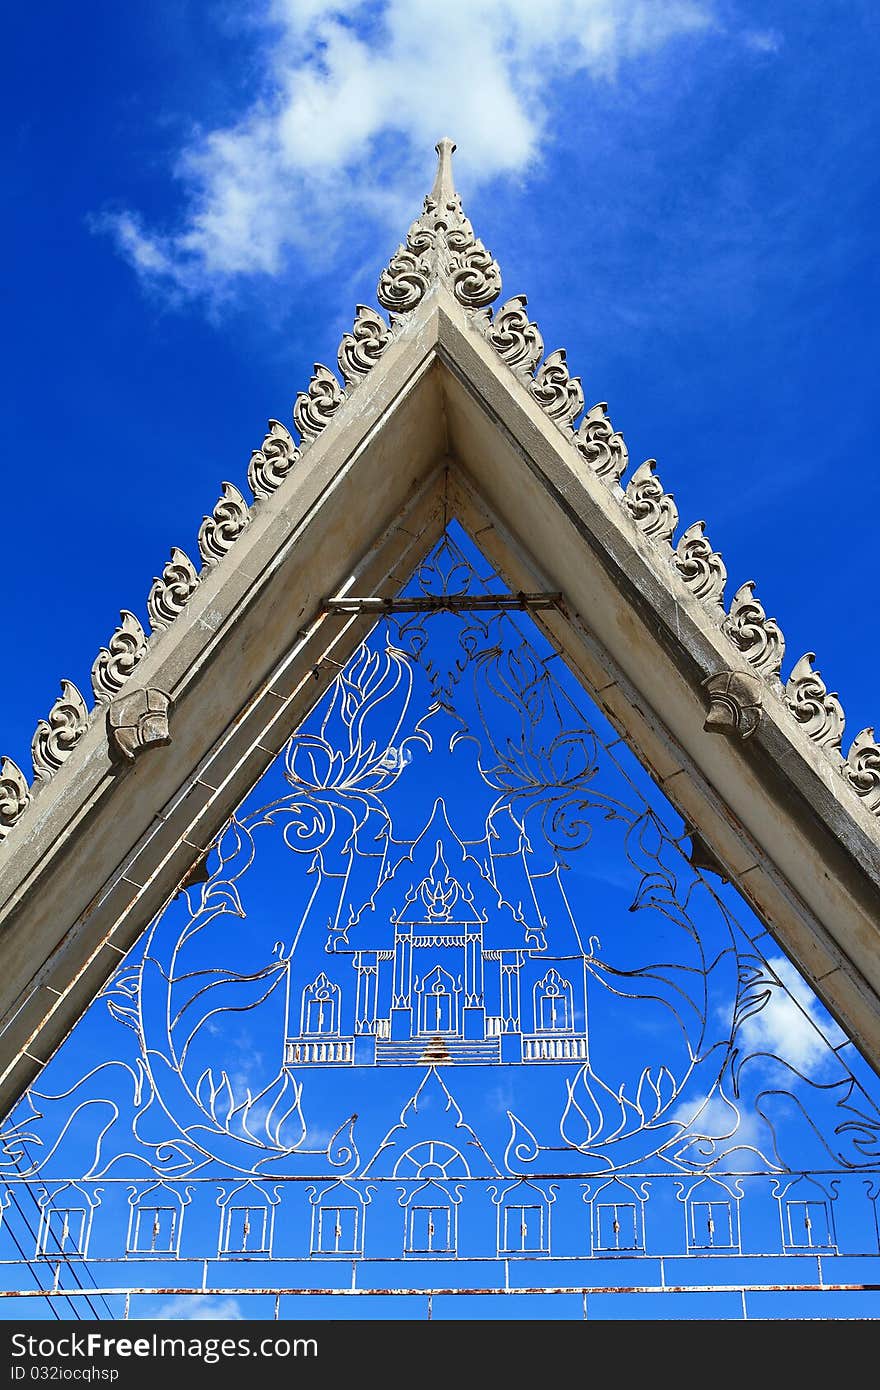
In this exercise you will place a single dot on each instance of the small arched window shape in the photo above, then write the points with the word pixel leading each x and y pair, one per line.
pixel 65 1222
pixel 247 1216
pixel 438 1002
pixel 337 1220
pixel 431 1220
pixel 523 1220
pixel 618 1219
pixel 320 1007
pixel 807 1218
pixel 433 1158
pixel 156 1220
pixel 712 1215
pixel 554 1012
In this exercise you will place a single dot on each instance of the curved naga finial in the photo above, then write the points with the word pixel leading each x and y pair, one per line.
pixel 314 409
pixel 756 636
pixel 440 244
pixel 819 713
pixel 114 663
pixel 363 346
pixel 14 795
pixel 57 736
pixel 701 567
pixel 653 510
pixel 219 531
pixel 600 445
pixel 171 590
pixel 271 463
pixel 862 769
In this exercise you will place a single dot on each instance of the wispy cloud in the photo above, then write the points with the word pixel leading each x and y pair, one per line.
pixel 792 1024
pixel 193 1307
pixel 355 92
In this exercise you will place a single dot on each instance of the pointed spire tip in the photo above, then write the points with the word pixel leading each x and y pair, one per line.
pixel 444 183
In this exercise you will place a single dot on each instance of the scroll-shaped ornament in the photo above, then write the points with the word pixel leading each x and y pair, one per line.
pixel 57 736
pixel 361 349
pixel 653 510
pixel 404 281
pixel 271 463
pixel 14 795
pixel 819 713
pixel 756 636
pixel 473 273
pixel 314 409
pixel 701 567
pixel 601 445
pixel 862 769
pixel 219 531
pixel 557 392
pixel 171 590
pixel 114 663
pixel 512 334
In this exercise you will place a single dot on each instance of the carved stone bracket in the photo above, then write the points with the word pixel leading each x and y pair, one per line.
pixel 701 568
pixel 736 703
pixel 14 795
pixel 314 409
pixel 57 736
pixel 219 531
pixel 114 663
pixel 271 463
pixel 862 769
pixel 138 720
pixel 653 510
pixel 757 637
pixel 601 445
pixel 819 713
pixel 361 349
pixel 171 590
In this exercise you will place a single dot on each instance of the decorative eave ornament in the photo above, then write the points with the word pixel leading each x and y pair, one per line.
pixel 441 247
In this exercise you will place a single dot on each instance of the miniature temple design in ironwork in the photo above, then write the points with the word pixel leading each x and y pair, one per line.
pixel 431 971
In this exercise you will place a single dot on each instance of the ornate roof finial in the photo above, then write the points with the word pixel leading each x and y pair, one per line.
pixel 440 244
pixel 444 183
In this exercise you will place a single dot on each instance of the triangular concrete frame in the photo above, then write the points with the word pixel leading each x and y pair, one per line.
pixel 445 416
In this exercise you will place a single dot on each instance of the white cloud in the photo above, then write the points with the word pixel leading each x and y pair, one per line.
pixel 789 1024
pixel 193 1307
pixel 356 92
pixel 763 40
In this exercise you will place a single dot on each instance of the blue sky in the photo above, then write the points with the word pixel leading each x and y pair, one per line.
pixel 199 194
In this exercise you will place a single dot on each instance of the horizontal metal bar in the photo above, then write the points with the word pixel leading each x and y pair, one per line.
pixel 197 1289
pixel 442 603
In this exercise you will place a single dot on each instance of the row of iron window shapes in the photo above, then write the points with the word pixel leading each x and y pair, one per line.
pixel 618 1228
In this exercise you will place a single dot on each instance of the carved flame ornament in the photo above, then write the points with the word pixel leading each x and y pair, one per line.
pixel 114 663
pixel 271 463
pixel 14 795
pixel 314 409
pixel 517 340
pixel 558 393
pixel 600 445
pixel 819 713
pixel 653 510
pixel 57 736
pixel 219 531
pixel 171 590
pixel 361 349
pixel 862 769
pixel 701 567
pixel 756 636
